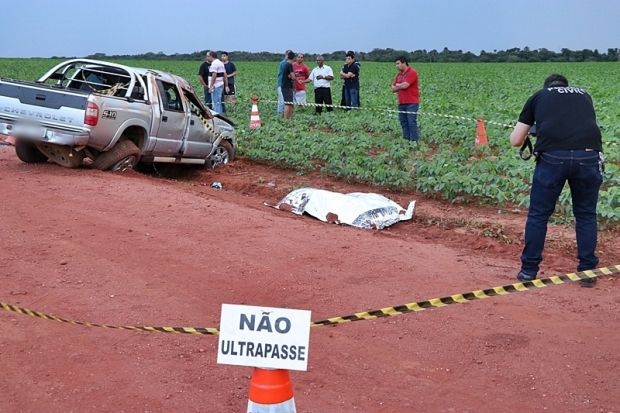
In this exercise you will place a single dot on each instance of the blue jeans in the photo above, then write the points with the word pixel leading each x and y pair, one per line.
pixel 409 121
pixel 583 171
pixel 280 107
pixel 352 97
pixel 216 95
pixel 207 97
pixel 231 91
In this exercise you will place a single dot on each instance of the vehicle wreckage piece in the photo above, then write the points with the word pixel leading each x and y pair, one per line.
pixel 362 210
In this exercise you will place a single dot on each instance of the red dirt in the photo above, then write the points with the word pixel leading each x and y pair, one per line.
pixel 134 249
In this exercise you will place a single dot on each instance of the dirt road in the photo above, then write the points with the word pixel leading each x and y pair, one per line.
pixel 135 249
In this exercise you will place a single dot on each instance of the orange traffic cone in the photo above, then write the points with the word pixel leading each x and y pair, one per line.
pixel 254 118
pixel 271 391
pixel 481 133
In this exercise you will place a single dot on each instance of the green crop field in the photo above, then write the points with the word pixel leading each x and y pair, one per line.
pixel 366 145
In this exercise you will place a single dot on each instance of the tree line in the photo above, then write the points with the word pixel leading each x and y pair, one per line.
pixel 446 55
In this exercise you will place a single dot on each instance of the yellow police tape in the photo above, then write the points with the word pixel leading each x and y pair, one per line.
pixel 366 315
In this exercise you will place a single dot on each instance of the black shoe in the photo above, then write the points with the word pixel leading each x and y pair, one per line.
pixel 588 282
pixel 523 276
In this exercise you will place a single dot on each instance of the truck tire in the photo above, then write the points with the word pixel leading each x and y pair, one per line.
pixel 124 155
pixel 28 152
pixel 223 154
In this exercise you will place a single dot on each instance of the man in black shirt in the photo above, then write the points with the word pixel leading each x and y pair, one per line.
pixel 288 76
pixel 351 74
pixel 568 148
pixel 231 73
pixel 203 76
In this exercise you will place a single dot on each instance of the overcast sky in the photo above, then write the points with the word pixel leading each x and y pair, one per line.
pixel 44 28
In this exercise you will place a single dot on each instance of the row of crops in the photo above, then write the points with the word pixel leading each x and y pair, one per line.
pixel 366 145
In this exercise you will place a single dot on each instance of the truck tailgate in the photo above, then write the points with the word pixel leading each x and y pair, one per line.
pixel 41 104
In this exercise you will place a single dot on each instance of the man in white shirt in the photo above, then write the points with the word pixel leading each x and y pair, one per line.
pixel 217 81
pixel 321 76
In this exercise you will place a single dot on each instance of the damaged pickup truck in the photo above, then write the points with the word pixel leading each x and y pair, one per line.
pixel 110 117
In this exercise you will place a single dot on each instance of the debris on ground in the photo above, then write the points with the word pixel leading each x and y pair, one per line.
pixel 7 140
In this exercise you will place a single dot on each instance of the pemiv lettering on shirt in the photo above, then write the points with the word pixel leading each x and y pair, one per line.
pixel 567 89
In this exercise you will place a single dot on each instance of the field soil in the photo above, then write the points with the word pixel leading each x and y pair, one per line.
pixel 163 248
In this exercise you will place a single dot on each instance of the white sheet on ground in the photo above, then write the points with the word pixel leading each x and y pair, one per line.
pixel 363 210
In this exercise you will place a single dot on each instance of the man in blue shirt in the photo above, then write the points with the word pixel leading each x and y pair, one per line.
pixel 280 79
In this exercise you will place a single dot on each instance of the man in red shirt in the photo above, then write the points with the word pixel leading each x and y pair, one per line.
pixel 406 85
pixel 302 72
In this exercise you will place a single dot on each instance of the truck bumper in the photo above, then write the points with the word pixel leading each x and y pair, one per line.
pixel 44 134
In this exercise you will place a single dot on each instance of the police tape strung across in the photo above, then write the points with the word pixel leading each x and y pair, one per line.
pixel 366 315
pixel 468 296
pixel 264 350
pixel 420 113
pixel 148 329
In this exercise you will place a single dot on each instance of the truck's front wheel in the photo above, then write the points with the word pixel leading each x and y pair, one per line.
pixel 124 155
pixel 223 154
pixel 28 152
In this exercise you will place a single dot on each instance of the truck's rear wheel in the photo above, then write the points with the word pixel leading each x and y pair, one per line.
pixel 223 154
pixel 124 155
pixel 28 152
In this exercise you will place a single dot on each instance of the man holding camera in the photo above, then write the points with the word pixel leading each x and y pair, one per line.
pixel 568 148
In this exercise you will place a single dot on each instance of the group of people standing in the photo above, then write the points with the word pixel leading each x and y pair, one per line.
pixel 293 75
pixel 217 78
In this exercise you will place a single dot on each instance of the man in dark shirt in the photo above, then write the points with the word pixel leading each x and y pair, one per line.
pixel 351 74
pixel 231 73
pixel 568 148
pixel 203 77
pixel 288 77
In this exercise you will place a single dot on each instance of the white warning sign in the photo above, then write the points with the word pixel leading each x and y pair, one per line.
pixel 264 337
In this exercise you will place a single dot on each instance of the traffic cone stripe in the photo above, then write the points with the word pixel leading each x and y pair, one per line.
pixel 254 117
pixel 270 388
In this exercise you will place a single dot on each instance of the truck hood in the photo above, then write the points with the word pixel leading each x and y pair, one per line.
pixel 224 118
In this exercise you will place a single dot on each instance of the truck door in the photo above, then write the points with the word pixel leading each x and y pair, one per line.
pixel 173 121
pixel 199 137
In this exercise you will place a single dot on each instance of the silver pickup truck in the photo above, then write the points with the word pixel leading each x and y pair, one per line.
pixel 110 117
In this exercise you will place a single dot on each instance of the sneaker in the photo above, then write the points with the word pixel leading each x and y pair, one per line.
pixel 588 282
pixel 523 276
